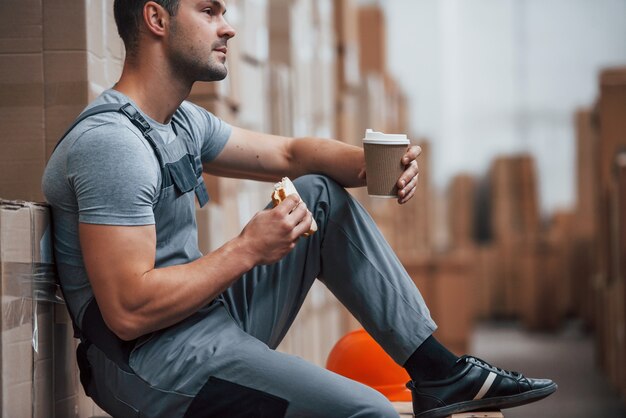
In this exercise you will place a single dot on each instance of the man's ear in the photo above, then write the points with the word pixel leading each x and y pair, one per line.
pixel 156 18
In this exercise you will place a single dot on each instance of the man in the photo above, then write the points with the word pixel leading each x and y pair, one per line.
pixel 168 332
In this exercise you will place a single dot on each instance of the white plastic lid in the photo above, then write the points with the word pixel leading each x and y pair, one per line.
pixel 373 137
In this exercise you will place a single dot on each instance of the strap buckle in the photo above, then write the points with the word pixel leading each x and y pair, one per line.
pixel 135 117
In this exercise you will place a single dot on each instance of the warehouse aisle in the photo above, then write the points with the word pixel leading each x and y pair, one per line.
pixel 566 357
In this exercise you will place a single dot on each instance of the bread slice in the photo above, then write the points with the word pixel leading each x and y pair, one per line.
pixel 284 188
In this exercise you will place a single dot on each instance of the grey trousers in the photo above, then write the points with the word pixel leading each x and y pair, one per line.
pixel 221 362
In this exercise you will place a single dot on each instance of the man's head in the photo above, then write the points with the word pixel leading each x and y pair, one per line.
pixel 192 33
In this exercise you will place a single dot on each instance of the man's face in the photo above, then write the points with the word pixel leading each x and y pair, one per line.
pixel 197 40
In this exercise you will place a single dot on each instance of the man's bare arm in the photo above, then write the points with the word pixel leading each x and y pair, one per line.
pixel 258 156
pixel 136 298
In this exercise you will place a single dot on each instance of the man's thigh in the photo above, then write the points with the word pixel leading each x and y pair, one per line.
pixel 224 371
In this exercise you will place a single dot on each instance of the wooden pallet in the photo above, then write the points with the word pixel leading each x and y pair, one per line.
pixel 405 409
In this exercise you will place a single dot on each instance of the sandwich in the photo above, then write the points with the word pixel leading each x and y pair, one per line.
pixel 284 188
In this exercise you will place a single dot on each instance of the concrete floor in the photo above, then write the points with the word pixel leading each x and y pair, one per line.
pixel 566 357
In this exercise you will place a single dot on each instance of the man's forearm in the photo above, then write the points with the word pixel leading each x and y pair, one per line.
pixel 178 291
pixel 135 298
pixel 340 161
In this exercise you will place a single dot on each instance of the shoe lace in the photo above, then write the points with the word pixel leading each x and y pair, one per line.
pixel 483 363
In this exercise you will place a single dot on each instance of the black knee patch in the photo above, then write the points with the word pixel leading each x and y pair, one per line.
pixel 221 398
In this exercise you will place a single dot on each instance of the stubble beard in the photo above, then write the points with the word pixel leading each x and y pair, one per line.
pixel 195 63
pixel 190 65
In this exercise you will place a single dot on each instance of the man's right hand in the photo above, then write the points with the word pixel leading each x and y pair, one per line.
pixel 271 234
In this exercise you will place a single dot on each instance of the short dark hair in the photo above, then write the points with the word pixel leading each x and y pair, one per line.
pixel 128 15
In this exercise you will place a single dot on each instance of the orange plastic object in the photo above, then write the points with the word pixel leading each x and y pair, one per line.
pixel 359 357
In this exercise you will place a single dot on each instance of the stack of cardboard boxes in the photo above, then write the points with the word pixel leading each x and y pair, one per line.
pixel 515 226
pixel 584 259
pixel 608 278
pixel 39 372
pixel 347 74
pixel 49 71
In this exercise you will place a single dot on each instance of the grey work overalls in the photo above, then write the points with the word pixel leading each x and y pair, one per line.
pixel 220 361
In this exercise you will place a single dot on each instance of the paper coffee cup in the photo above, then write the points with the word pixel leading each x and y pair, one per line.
pixel 383 162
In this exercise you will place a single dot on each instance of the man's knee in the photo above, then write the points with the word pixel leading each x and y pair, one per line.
pixel 379 407
pixel 317 186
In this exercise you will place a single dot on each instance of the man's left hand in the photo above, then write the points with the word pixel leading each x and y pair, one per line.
pixel 407 182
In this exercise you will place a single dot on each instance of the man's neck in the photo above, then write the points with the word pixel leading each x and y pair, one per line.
pixel 153 88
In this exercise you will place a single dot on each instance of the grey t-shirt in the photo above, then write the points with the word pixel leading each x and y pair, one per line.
pixel 105 172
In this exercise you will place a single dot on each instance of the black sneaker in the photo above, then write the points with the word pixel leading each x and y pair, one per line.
pixel 477 386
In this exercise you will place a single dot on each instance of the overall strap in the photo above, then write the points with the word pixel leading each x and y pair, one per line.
pixel 132 114
pixel 103 108
pixel 148 133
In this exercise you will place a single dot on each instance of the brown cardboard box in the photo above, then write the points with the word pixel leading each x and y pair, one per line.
pixel 586 173
pixel 27 281
pixel 20 26
pixel 66 92
pixel 612 105
pixel 453 309
pixel 515 209
pixel 561 238
pixel 347 45
pixel 445 283
pixel 252 28
pixel 253 112
pixel 586 225
pixel 392 104
pixel 514 223
pixel 621 256
pixel 485 279
pixel 70 400
pixel 461 196
pixel 300 40
pixel 22 150
pixel 281 100
pixel 612 137
pixel 347 118
pixel 372 40
pixel 280 30
pixel 373 110
pixel 39 372
pixel 67 36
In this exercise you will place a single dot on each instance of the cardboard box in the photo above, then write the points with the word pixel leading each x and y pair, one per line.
pixel 586 174
pixel 561 238
pixel 612 124
pixel 485 279
pixel 612 138
pixel 27 280
pixel 66 92
pixel 514 204
pixel 252 29
pixel 300 40
pixel 445 282
pixel 347 119
pixel 373 110
pixel 372 40
pixel 621 267
pixel 21 26
pixel 39 371
pixel 346 20
pixel 254 110
pixel 281 98
pixel 22 150
pixel 461 197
